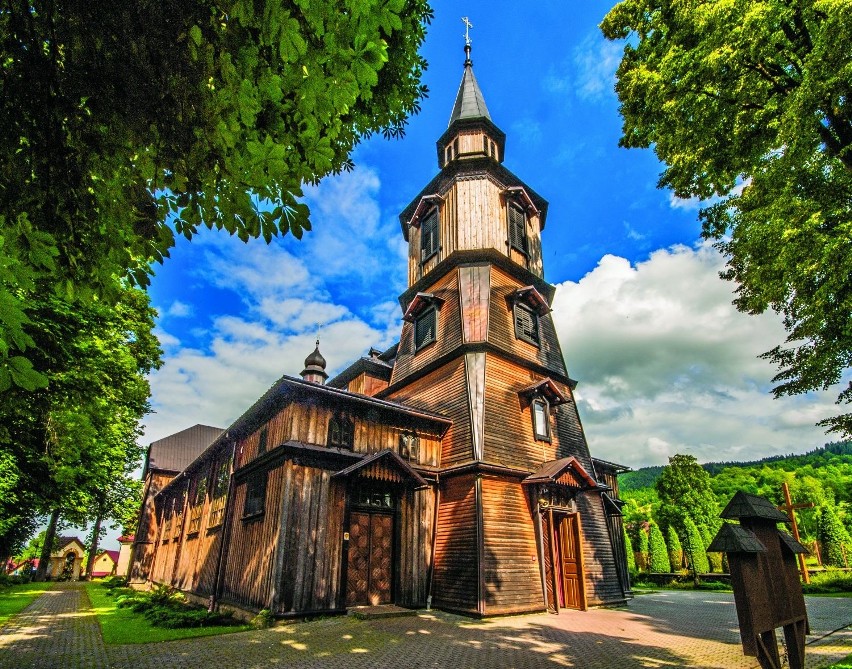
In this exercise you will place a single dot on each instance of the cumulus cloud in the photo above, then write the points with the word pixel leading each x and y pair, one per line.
pixel 667 365
pixel 596 59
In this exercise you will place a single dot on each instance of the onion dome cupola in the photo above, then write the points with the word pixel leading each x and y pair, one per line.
pixel 471 133
pixel 314 370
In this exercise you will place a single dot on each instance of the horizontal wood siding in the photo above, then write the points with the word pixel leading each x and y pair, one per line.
pixel 456 556
pixel 248 572
pixel 416 517
pixel 501 329
pixel 510 562
pixel 311 522
pixel 602 582
pixel 449 331
pixel 509 438
pixel 444 391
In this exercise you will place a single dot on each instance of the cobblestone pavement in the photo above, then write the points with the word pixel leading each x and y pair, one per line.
pixel 667 629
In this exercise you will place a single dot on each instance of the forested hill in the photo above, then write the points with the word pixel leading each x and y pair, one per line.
pixel 832 453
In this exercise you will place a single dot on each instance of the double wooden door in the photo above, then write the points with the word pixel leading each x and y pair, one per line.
pixel 369 574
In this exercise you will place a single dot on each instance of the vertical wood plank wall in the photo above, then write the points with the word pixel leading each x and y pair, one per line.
pixel 416 516
pixel 456 573
pixel 603 585
pixel 510 562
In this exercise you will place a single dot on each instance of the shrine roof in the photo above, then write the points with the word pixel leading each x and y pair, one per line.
pixel 735 539
pixel 744 505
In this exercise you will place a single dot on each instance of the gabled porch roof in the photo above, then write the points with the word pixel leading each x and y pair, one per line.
pixel 567 471
pixel 385 464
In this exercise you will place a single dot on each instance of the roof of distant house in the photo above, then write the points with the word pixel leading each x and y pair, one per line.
pixel 175 452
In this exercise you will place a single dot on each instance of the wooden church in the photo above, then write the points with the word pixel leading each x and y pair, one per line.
pixel 451 469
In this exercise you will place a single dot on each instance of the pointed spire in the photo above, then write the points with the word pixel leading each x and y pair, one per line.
pixel 469 101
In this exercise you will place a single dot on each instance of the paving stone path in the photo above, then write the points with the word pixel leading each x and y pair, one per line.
pixel 667 629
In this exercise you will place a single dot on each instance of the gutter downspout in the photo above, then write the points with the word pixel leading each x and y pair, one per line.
pixel 431 577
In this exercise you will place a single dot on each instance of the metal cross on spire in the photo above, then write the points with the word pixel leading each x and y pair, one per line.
pixel 467 26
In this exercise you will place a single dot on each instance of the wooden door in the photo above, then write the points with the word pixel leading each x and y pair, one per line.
pixel 369 567
pixel 570 563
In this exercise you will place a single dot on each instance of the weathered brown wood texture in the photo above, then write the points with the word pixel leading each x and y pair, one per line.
pixel 474 293
pixel 415 523
pixel 148 531
pixel 511 570
pixel 440 391
pixel 365 384
pixel 456 574
pixel 602 583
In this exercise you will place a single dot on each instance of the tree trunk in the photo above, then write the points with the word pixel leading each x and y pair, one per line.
pixel 47 548
pixel 93 546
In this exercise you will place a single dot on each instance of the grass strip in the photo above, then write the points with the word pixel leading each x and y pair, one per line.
pixel 123 626
pixel 15 598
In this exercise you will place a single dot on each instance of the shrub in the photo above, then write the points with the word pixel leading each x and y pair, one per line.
pixel 675 549
pixel 643 551
pixel 165 607
pixel 694 549
pixel 659 552
pixel 831 581
pixel 833 537
pixel 631 557
pixel 263 619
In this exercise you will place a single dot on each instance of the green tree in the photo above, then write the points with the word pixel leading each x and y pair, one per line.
pixel 685 493
pixel 659 552
pixel 123 124
pixel 694 549
pixel 714 560
pixel 643 550
pixel 833 538
pixel 675 549
pixel 748 104
pixel 631 556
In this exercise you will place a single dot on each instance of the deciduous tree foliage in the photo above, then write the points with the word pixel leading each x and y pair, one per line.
pixel 685 494
pixel 123 124
pixel 749 105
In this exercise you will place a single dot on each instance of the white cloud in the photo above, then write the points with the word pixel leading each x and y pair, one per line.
pixel 597 59
pixel 688 203
pixel 179 309
pixel 667 365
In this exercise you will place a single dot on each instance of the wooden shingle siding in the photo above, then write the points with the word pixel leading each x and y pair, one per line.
pixel 501 330
pixel 510 561
pixel 456 575
pixel 432 392
pixel 601 576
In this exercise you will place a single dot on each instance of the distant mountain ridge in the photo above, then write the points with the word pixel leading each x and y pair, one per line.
pixel 645 477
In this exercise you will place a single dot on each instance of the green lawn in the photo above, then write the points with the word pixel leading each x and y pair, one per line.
pixel 15 598
pixel 843 664
pixel 123 626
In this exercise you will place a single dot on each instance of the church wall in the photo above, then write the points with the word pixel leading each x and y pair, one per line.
pixel 501 330
pixel 510 562
pixel 147 532
pixel 416 519
pixel 601 576
pixel 509 438
pixel 439 391
pixel 456 575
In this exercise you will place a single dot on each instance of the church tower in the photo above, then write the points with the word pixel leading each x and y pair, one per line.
pixel 525 519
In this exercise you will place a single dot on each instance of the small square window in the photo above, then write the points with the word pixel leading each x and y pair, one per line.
pixel 341 431
pixel 425 328
pixel 526 324
pixel 255 501
pixel 541 419
pixel 429 235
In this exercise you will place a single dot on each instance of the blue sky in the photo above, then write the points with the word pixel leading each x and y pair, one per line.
pixel 665 364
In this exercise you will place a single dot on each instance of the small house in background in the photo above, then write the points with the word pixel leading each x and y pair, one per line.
pixel 124 554
pixel 105 564
pixel 66 562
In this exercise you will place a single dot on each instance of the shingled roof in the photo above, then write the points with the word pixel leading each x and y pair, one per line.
pixel 735 539
pixel 175 452
pixel 743 505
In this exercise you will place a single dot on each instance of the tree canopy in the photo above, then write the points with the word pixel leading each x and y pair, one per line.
pixel 123 124
pixel 749 105
pixel 685 494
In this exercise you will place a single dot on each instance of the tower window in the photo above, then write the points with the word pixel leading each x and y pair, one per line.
pixel 425 328
pixel 517 228
pixel 541 419
pixel 341 431
pixel 429 235
pixel 526 324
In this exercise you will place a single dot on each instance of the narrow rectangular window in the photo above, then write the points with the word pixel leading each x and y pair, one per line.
pixel 220 493
pixel 541 419
pixel 517 228
pixel 255 501
pixel 261 441
pixel 429 235
pixel 526 324
pixel 425 328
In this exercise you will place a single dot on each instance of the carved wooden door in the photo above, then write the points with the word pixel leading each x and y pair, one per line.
pixel 570 564
pixel 370 559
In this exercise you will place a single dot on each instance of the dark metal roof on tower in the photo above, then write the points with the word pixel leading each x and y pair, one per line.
pixel 469 101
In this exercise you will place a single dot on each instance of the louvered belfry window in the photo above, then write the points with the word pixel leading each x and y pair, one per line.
pixel 526 324
pixel 517 228
pixel 425 328
pixel 429 235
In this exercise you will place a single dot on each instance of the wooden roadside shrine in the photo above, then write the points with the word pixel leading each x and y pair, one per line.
pixel 765 579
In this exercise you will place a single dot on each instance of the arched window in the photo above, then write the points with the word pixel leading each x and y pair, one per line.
pixel 341 431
